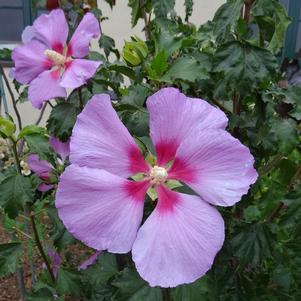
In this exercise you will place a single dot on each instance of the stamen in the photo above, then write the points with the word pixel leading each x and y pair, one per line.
pixel 158 175
pixel 56 57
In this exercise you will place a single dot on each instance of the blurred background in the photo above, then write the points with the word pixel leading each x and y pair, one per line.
pixel 15 15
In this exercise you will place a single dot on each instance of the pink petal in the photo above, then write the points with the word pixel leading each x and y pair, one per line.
pixel 91 260
pixel 28 34
pixel 78 72
pixel 61 148
pixel 102 210
pixel 52 29
pixel 173 116
pixel 44 87
pixel 43 187
pixel 29 61
pixel 56 260
pixel 87 29
pixel 41 167
pixel 100 140
pixel 215 165
pixel 178 244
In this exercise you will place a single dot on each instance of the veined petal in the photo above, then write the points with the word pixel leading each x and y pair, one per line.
pixel 29 61
pixel 28 34
pixel 87 29
pixel 173 116
pixel 78 72
pixel 52 29
pixel 102 210
pixel 61 148
pixel 41 167
pixel 100 140
pixel 179 241
pixel 46 86
pixel 215 165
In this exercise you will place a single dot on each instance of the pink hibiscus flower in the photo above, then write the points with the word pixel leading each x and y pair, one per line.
pixel 103 208
pixel 42 168
pixel 47 63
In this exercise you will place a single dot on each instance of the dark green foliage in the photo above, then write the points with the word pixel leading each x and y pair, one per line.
pixel 10 254
pixel 231 62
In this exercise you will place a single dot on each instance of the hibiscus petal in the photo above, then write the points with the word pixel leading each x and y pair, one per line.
pixel 100 140
pixel 46 86
pixel 78 72
pixel 43 187
pixel 89 261
pixel 41 167
pixel 173 116
pixel 102 210
pixel 215 165
pixel 29 61
pixel 87 29
pixel 28 34
pixel 178 242
pixel 52 29
pixel 61 148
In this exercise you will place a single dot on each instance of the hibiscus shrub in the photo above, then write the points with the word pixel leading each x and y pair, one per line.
pixel 167 171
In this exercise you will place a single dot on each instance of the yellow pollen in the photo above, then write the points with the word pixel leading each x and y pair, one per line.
pixel 158 175
pixel 56 57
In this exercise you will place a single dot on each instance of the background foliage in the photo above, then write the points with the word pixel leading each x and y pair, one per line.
pixel 231 61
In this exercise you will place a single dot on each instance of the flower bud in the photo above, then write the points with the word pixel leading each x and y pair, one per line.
pixel 7 127
pixel 134 52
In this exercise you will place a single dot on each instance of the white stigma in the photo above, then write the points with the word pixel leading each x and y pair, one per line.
pixel 158 174
pixel 56 57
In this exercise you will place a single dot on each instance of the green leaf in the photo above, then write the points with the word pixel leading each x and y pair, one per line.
pixel 253 244
pixel 38 144
pixel 7 127
pixel 95 279
pixel 108 45
pixel 158 65
pixel 226 17
pixel 58 233
pixel 68 282
pixel 163 7
pixel 10 254
pixel 193 292
pixel 284 132
pixel 16 190
pixel 136 95
pixel 244 66
pixel 42 294
pixel 273 21
pixel 168 42
pixel 133 288
pixel 185 68
pixel 62 119
pixel 123 69
pixel 31 129
pixel 136 12
pixel 188 9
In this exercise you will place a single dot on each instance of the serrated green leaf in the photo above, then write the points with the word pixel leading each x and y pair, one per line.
pixel 38 144
pixel 226 17
pixel 16 190
pixel 244 66
pixel 253 244
pixel 133 288
pixel 185 68
pixel 163 7
pixel 62 119
pixel 31 129
pixel 10 254
pixel 68 282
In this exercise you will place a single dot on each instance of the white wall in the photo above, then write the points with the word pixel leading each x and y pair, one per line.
pixel 119 27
